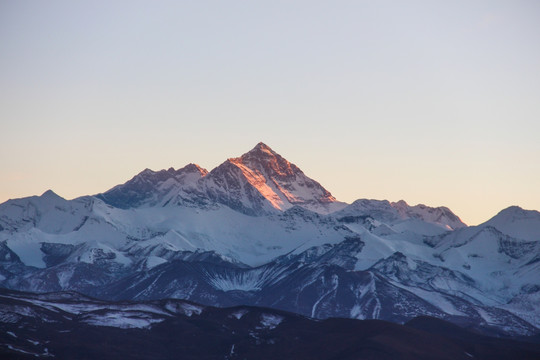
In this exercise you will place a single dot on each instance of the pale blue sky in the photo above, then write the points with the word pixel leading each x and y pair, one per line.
pixel 434 102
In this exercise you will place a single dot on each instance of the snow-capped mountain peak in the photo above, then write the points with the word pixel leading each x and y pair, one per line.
pixel 400 217
pixel 517 222
pixel 192 168
pixel 149 188
pixel 49 194
pixel 438 215
pixel 258 182
pixel 262 181
pixel 262 148
pixel 265 160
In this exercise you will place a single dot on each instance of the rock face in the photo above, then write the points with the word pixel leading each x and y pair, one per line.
pixel 257 231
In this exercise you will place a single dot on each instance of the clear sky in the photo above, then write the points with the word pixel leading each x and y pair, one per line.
pixel 434 102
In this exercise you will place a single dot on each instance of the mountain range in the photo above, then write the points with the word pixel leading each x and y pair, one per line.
pixel 257 231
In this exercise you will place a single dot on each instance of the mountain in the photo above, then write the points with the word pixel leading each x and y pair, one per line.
pixel 500 254
pixel 517 223
pixel 151 188
pixel 275 181
pixel 396 217
pixel 257 231
pixel 68 325
pixel 256 183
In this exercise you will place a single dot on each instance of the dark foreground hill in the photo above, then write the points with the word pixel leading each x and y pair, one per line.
pixel 71 326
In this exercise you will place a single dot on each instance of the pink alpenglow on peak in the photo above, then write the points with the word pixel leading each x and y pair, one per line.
pixel 256 183
pixel 280 183
pixel 193 168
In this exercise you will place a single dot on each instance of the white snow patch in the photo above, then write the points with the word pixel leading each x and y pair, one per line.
pixel 486 316
pixel 21 350
pixel 249 281
pixel 357 313
pixel 64 277
pixel 184 308
pixel 238 314
pixel 28 250
pixel 335 283
pixel 123 320
pixel 153 261
pixel 270 321
pixel 190 309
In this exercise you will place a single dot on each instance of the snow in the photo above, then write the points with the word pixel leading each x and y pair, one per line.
pixel 248 281
pixel 189 309
pixel 258 181
pixel 247 239
pixel 376 309
pixel 419 227
pixel 93 307
pixel 526 305
pixel 8 317
pixel 357 312
pixel 184 308
pixel 435 298
pixel 64 277
pixel 401 217
pixel 271 321
pixel 239 314
pixel 335 284
pixel 486 316
pixel 122 320
pixel 106 231
pixel 153 261
pixel 27 249
pixel 493 270
pixel 21 350
pixel 518 223
pixel 272 178
pixel 97 251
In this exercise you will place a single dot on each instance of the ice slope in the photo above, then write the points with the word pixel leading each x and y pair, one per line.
pixel 102 231
pixel 250 240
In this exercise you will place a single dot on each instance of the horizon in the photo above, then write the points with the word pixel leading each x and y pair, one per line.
pixel 433 104
pixel 210 169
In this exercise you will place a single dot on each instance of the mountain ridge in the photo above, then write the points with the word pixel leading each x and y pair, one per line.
pixel 256 230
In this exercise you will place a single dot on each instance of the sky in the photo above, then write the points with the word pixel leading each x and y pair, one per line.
pixel 433 102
